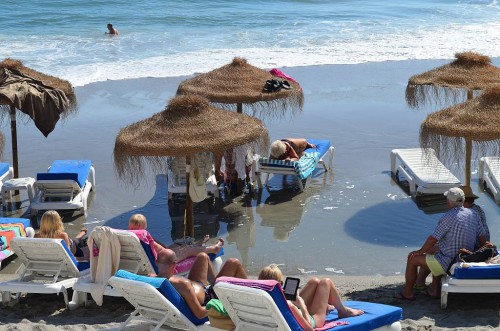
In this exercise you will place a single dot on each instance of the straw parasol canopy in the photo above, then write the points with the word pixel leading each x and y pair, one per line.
pixel 188 125
pixel 476 121
pixel 467 73
pixel 239 83
pixel 41 97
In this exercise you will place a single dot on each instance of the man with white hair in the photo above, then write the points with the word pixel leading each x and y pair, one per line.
pixel 457 229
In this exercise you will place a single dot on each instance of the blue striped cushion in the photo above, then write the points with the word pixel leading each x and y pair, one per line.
pixel 265 161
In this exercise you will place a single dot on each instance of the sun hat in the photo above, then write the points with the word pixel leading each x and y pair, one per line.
pixel 278 148
pixel 468 192
pixel 455 194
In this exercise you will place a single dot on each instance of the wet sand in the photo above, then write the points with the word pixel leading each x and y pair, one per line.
pixel 354 220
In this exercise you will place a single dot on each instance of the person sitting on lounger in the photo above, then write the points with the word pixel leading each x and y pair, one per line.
pixel 196 289
pixel 51 226
pixel 183 251
pixel 458 228
pixel 314 301
pixel 290 149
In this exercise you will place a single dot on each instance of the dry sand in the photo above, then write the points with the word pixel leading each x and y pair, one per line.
pixel 465 311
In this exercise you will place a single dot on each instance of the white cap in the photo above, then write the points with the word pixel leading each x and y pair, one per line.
pixel 455 194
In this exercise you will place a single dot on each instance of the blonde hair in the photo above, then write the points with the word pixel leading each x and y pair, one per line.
pixel 278 148
pixel 271 272
pixel 51 225
pixel 137 222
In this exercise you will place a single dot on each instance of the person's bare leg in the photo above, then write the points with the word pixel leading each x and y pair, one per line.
pixel 232 268
pixel 82 233
pixel 434 288
pixel 185 251
pixel 412 265
pixel 202 270
pixel 421 277
pixel 308 291
pixel 317 308
pixel 335 300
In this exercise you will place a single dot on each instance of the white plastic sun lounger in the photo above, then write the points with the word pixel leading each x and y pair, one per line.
pixel 468 277
pixel 279 167
pixel 423 171
pixel 134 256
pixel 156 302
pixel 66 185
pixel 489 173
pixel 177 174
pixel 6 173
pixel 256 307
pixel 48 267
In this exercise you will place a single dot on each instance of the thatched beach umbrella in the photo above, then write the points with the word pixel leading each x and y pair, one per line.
pixel 476 121
pixel 239 83
pixel 188 125
pixel 469 72
pixel 42 97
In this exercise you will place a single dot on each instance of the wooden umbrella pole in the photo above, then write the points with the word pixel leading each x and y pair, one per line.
pixel 13 131
pixel 239 107
pixel 470 94
pixel 468 154
pixel 189 218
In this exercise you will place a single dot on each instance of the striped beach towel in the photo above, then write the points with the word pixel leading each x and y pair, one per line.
pixel 306 165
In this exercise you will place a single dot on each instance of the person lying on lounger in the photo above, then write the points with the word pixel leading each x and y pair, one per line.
pixel 314 301
pixel 183 251
pixel 51 226
pixel 289 149
pixel 196 289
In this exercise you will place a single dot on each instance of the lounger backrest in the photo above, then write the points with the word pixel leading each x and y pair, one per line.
pixel 247 302
pixel 46 255
pixel 73 170
pixel 156 293
pixel 133 256
pixel 4 168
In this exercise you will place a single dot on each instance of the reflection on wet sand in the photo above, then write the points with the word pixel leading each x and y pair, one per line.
pixel 283 210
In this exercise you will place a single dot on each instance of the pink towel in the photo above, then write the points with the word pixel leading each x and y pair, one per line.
pixel 279 73
pixel 266 285
pixel 146 238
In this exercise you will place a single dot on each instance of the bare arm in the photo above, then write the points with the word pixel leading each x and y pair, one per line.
pixel 427 246
pixel 186 290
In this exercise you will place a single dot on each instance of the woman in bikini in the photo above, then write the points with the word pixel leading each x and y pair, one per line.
pixel 315 300
pixel 289 149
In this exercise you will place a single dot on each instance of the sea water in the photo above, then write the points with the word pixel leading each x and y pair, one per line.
pixel 171 38
pixel 353 219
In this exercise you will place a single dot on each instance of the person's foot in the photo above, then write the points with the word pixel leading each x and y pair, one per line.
pixel 82 233
pixel 205 239
pixel 215 249
pixel 330 308
pixel 401 296
pixel 418 287
pixel 349 312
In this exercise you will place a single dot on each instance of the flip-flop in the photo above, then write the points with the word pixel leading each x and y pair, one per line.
pixel 400 296
pixel 286 85
pixel 419 287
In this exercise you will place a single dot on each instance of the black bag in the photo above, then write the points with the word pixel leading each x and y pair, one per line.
pixel 481 255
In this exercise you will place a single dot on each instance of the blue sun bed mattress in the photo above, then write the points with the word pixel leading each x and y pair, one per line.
pixel 4 167
pixel 76 170
pixel 479 270
pixel 376 315
pixel 307 163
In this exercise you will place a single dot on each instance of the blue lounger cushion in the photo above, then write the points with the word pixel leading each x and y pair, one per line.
pixel 4 168
pixel 167 290
pixel 375 316
pixel 491 271
pixel 76 170
pixel 81 265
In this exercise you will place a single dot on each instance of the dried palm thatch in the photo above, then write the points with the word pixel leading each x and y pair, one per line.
pixel 43 98
pixel 475 122
pixel 239 83
pixel 187 126
pixel 2 144
pixel 449 83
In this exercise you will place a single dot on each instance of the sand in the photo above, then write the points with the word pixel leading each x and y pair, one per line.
pixel 465 311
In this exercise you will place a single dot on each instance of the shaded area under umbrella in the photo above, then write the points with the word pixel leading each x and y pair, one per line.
pixel 43 98
pixel 188 125
pixel 467 73
pixel 238 83
pixel 475 122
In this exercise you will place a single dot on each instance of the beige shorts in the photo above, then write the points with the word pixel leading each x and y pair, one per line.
pixel 434 266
